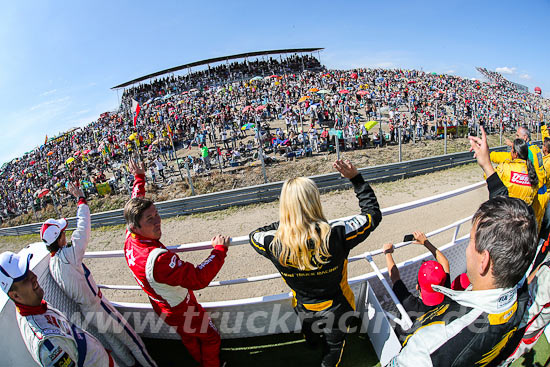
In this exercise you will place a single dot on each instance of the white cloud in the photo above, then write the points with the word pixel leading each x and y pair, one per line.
pixel 505 70
pixel 384 65
pixel 525 76
pixel 47 93
pixel 356 59
pixel 53 102
pixel 450 71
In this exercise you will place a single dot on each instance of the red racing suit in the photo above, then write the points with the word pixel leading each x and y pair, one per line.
pixel 169 282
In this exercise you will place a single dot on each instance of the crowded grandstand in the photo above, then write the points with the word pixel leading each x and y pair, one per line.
pixel 216 110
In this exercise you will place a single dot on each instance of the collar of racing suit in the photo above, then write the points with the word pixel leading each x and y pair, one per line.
pixel 32 310
pixel 142 239
pixel 491 301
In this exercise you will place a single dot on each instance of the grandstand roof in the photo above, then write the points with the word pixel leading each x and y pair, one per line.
pixel 217 59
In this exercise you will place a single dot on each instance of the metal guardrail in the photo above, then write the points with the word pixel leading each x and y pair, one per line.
pixel 268 192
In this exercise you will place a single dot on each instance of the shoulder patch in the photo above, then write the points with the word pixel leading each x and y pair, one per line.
pixel 173 261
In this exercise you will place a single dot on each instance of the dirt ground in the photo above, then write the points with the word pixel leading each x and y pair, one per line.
pixel 242 261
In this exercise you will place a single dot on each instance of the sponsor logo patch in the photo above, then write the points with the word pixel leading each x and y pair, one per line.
pixel 55 353
pixel 206 262
pixel 519 178
pixel 505 299
pixel 173 261
pixel 64 361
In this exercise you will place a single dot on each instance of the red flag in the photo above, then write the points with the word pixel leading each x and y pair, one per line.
pixel 169 130
pixel 136 108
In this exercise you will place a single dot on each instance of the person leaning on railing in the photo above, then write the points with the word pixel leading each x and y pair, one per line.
pixel 430 273
pixel 311 255
pixel 481 326
pixel 166 279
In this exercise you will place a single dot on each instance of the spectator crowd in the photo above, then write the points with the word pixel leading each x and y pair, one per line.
pixel 227 111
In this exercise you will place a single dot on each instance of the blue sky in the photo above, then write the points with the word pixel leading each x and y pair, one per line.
pixel 59 59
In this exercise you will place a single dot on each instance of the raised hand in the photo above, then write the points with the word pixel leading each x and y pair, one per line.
pixel 481 149
pixel 75 191
pixel 136 167
pixel 346 168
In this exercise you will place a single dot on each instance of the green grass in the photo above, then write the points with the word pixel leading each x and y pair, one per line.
pixel 539 356
pixel 34 237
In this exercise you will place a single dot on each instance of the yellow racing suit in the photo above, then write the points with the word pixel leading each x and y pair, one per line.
pixel 535 156
pixel 513 174
pixel 546 158
pixel 544 132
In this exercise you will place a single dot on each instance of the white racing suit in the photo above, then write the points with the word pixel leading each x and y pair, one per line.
pixel 537 317
pixel 475 328
pixel 54 341
pixel 77 282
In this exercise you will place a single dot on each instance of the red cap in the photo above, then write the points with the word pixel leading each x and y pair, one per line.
pixel 431 273
pixel 460 283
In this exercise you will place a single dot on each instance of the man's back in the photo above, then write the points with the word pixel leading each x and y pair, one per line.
pixel 475 328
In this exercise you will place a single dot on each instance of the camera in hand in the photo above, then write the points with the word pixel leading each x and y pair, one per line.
pixel 408 238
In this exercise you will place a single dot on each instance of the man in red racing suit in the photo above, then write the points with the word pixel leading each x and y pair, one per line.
pixel 166 279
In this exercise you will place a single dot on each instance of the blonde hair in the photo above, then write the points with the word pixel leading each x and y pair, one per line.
pixel 301 221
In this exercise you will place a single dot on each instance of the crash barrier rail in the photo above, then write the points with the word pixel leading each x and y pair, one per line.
pixel 268 192
pixel 250 317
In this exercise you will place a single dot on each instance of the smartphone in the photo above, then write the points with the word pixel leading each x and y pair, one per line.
pixel 408 238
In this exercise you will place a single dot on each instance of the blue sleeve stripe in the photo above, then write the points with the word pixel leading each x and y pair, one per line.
pixel 48 344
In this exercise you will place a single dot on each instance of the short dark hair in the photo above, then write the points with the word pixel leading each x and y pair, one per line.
pixel 547 143
pixel 54 246
pixel 133 210
pixel 523 130
pixel 507 229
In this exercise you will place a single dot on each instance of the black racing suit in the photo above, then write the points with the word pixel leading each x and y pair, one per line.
pixel 322 297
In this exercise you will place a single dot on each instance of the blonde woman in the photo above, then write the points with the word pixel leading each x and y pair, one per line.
pixel 311 255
